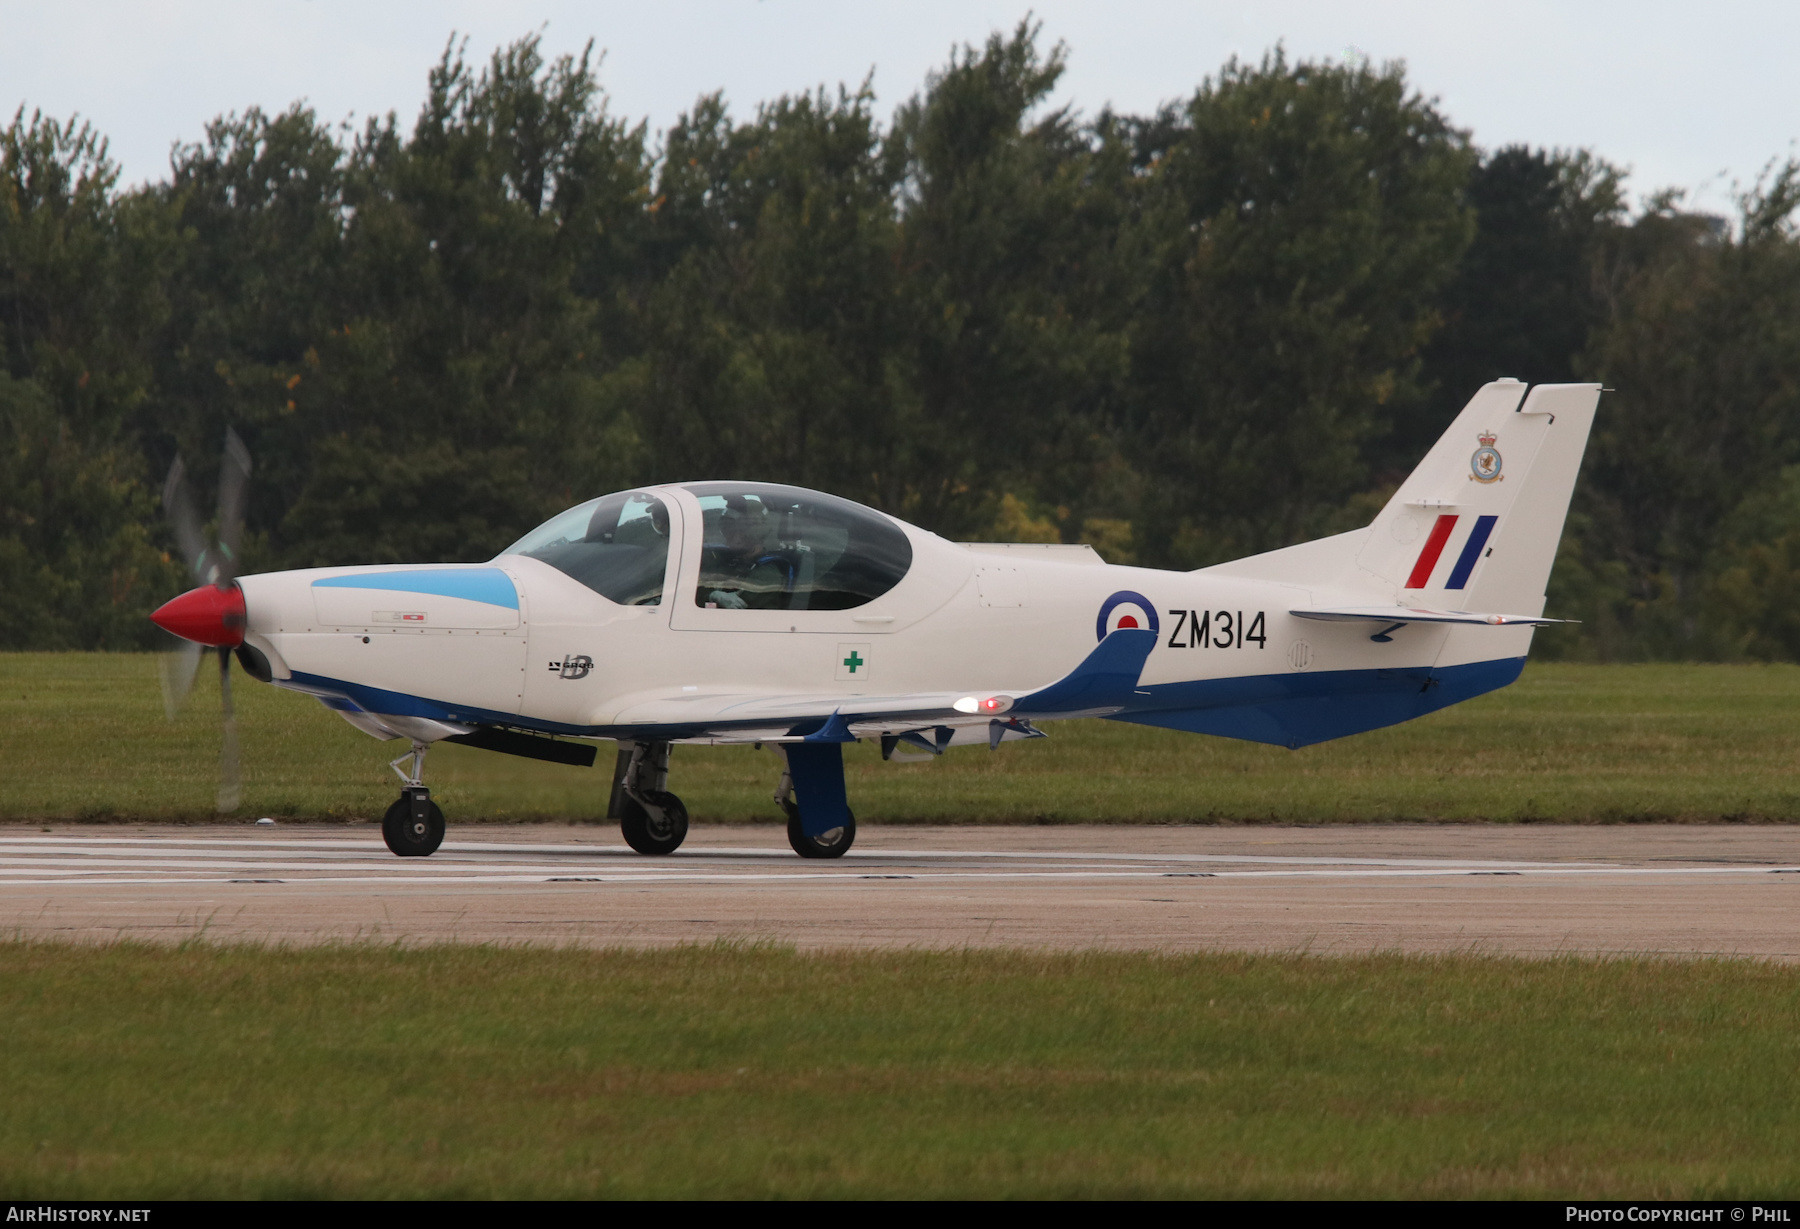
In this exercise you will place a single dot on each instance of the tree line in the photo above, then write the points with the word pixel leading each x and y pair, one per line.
pixel 1220 328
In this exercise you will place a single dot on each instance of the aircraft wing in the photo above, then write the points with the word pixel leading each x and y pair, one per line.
pixel 1420 614
pixel 1101 683
pixel 726 710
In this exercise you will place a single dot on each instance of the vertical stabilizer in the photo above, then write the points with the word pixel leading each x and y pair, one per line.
pixel 1476 525
pixel 1522 549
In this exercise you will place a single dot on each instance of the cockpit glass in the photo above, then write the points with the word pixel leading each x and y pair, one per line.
pixel 617 545
pixel 783 548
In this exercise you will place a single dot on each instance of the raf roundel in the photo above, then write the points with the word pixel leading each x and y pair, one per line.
pixel 1128 610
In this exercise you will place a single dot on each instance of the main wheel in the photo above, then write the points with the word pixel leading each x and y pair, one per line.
pixel 409 837
pixel 832 843
pixel 647 834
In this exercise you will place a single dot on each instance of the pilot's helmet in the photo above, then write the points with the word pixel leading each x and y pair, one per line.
pixel 744 525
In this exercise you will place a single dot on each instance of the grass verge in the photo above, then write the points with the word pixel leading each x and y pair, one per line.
pixel 218 1071
pixel 82 735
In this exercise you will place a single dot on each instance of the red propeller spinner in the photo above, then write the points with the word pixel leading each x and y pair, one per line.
pixel 208 615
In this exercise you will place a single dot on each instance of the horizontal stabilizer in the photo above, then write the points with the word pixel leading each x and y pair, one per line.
pixel 1474 527
pixel 1420 614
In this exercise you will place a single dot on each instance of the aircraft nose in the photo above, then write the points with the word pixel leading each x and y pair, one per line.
pixel 208 615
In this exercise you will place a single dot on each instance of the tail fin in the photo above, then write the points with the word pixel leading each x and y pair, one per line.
pixel 1476 525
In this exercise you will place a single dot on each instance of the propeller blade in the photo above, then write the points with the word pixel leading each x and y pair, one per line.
pixel 185 521
pixel 229 785
pixel 234 484
pixel 178 666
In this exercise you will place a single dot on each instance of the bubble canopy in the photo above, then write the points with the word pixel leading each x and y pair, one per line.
pixel 770 547
pixel 617 545
pixel 761 546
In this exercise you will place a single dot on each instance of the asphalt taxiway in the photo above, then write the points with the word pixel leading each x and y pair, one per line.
pixel 1536 889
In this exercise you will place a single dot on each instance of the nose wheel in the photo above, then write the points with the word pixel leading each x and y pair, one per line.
pixel 414 826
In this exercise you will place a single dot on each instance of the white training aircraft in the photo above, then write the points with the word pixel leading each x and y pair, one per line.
pixel 744 612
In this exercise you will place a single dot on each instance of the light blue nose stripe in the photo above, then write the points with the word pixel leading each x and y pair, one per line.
pixel 489 585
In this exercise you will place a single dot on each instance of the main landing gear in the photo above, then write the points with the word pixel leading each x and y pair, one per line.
pixel 811 795
pixel 652 819
pixel 413 827
pixel 819 823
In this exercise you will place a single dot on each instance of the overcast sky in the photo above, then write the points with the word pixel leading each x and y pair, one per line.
pixel 1691 95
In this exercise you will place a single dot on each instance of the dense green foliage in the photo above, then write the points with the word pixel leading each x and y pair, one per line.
pixel 196 1071
pixel 1227 326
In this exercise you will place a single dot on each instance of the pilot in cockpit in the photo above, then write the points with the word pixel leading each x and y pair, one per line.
pixel 747 572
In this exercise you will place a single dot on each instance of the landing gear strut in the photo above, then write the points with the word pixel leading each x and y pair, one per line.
pixel 652 819
pixel 819 824
pixel 413 827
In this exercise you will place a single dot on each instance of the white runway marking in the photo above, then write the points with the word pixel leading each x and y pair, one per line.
pixel 234 847
pixel 255 858
pixel 1527 889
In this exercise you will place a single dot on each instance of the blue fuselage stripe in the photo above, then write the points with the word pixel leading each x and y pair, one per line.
pixel 489 585
pixel 1471 553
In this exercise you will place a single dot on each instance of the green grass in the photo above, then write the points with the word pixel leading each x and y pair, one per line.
pixel 83 736
pixel 144 1071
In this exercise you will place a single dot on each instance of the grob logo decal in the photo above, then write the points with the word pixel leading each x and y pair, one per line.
pixel 1126 609
pixel 572 667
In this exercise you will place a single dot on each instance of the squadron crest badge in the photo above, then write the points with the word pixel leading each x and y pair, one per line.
pixel 1484 466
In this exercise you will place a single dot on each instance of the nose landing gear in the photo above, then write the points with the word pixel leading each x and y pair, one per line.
pixel 652 820
pixel 414 826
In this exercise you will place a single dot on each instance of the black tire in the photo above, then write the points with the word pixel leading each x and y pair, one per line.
pixel 649 836
pixel 411 838
pixel 833 844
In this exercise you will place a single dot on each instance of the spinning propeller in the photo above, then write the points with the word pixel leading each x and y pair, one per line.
pixel 211 616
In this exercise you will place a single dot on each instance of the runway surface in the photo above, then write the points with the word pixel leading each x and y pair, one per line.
pixel 1685 889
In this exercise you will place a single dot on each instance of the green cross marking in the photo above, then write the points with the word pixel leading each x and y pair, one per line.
pixel 853 661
